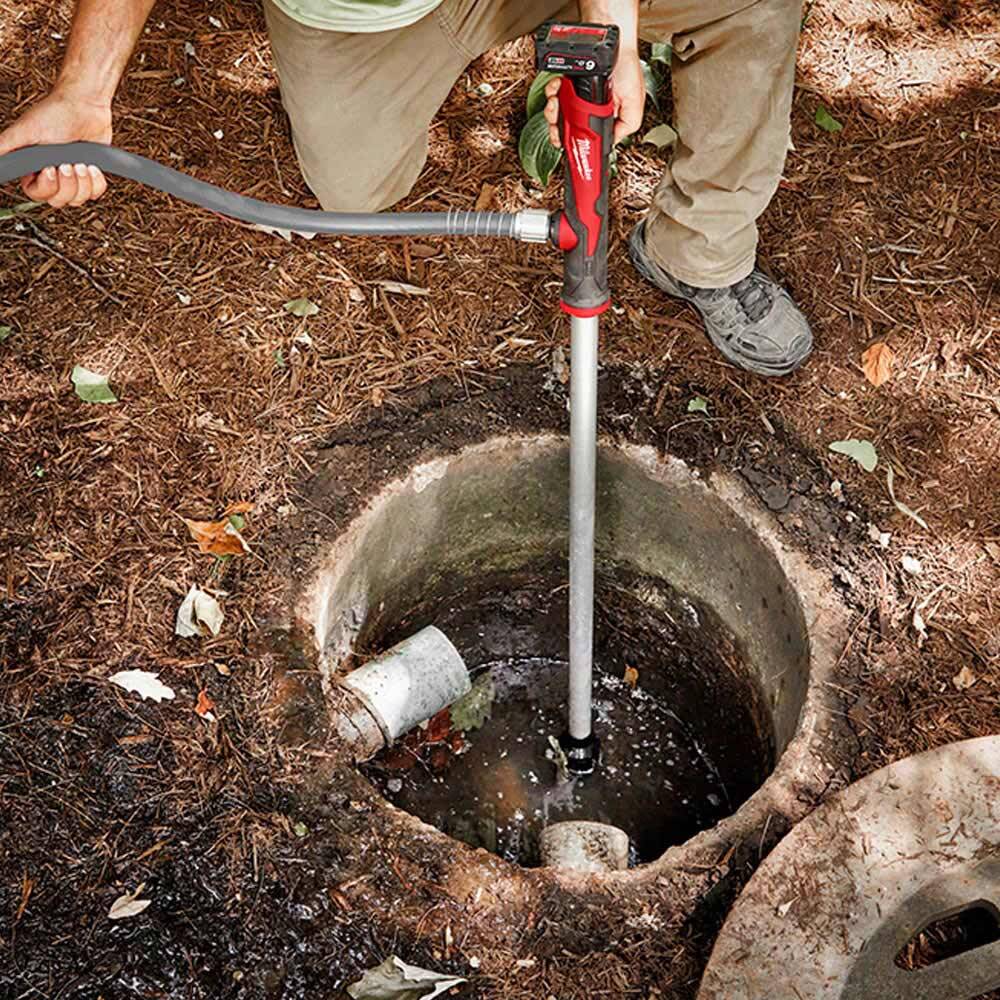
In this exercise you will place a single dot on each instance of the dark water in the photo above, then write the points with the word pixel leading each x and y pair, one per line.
pixel 682 747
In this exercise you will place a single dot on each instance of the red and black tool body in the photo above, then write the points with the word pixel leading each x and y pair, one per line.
pixel 584 55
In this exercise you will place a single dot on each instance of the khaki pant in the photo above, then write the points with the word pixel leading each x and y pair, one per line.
pixel 360 107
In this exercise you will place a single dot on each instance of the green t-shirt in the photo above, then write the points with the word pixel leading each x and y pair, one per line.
pixel 357 15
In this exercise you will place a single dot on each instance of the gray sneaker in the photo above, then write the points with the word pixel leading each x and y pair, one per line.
pixel 754 323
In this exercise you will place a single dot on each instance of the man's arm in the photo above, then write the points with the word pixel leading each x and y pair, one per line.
pixel 628 85
pixel 79 106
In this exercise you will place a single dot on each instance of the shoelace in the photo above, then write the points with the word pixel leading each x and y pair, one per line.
pixel 754 297
pixel 751 296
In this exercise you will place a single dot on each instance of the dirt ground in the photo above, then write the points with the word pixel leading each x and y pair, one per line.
pixel 886 231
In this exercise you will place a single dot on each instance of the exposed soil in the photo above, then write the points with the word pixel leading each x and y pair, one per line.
pixel 885 231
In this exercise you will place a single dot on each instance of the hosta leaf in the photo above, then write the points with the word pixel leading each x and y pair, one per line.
pixel 536 93
pixel 301 307
pixel 826 121
pixel 92 387
pixel 662 135
pixel 863 452
pixel 538 156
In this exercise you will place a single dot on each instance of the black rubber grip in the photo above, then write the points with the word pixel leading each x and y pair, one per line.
pixel 585 274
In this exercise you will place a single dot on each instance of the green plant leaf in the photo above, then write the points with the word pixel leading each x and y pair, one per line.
pixel 473 709
pixel 18 209
pixel 301 307
pixel 279 359
pixel 652 81
pixel 536 93
pixel 698 405
pixel 5 332
pixel 826 121
pixel 863 452
pixel 662 52
pixel 662 135
pixel 538 156
pixel 92 387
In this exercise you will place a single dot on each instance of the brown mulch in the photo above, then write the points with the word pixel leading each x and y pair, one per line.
pixel 886 231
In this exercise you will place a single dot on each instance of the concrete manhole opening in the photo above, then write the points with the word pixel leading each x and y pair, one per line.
pixel 707 664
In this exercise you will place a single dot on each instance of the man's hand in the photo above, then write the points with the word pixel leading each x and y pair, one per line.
pixel 628 89
pixel 627 84
pixel 61 117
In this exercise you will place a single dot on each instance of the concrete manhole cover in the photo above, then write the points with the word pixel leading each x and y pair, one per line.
pixel 889 890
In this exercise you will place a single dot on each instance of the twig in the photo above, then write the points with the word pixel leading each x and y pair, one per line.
pixel 69 263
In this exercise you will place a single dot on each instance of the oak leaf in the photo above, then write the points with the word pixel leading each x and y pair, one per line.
pixel 877 363
pixel 222 537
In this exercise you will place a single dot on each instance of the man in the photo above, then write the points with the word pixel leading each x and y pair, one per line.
pixel 362 79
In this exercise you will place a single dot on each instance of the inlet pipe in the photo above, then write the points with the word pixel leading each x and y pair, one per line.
pixel 410 683
pixel 528 226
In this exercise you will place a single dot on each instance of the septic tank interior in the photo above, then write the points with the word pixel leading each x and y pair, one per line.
pixel 713 646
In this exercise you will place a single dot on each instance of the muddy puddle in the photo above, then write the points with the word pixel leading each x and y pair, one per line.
pixel 679 714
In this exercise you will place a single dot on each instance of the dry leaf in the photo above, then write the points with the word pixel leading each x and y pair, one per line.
pixel 197 609
pixel 395 980
pixel 142 682
pixel 877 363
pixel 964 679
pixel 402 288
pixel 438 727
pixel 631 676
pixel 128 905
pixel 205 705
pixel 220 538
pixel 240 507
pixel 485 199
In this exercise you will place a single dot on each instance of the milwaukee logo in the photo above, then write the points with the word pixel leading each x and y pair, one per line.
pixel 582 150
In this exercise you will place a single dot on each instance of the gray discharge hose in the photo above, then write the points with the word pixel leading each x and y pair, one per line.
pixel 530 225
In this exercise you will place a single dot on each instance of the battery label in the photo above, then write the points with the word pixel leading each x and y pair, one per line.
pixel 558 62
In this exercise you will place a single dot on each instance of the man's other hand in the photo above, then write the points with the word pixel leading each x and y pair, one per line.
pixel 58 118
pixel 628 88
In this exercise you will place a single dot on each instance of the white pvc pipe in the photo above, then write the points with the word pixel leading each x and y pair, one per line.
pixel 582 473
pixel 411 682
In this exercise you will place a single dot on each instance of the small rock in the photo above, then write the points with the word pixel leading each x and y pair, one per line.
pixel 395 785
pixel 776 497
pixel 881 537
pixel 911 566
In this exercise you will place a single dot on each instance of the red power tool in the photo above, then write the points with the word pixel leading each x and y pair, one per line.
pixel 584 55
